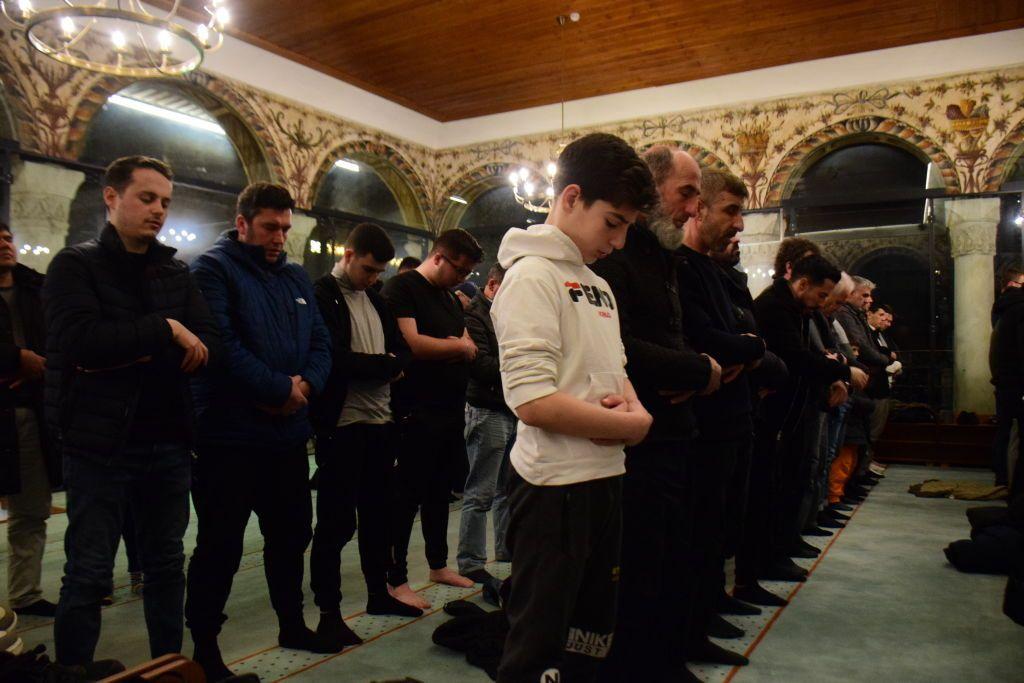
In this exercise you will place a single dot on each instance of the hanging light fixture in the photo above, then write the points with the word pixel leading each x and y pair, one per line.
pixel 533 189
pixel 120 37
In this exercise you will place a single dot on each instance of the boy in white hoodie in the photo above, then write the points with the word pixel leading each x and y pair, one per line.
pixel 563 372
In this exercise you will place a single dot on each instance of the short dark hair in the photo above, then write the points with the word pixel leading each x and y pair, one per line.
pixel 875 307
pixel 119 173
pixel 370 238
pixel 409 262
pixel 607 169
pixel 714 183
pixel 263 195
pixel 816 269
pixel 497 272
pixel 457 243
pixel 1009 274
pixel 791 250
pixel 5 228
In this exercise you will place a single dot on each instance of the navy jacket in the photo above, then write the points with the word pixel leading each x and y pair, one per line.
pixel 271 329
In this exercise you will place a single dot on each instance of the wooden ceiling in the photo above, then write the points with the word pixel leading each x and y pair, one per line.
pixel 454 59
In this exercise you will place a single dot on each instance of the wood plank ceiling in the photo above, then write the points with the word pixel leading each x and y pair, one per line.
pixel 454 59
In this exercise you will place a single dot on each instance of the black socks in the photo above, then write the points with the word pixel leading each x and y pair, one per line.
pixel 383 603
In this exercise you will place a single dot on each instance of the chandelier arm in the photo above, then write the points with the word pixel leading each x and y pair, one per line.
pixel 80 35
pixel 215 46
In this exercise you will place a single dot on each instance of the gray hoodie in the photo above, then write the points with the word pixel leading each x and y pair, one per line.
pixel 558 330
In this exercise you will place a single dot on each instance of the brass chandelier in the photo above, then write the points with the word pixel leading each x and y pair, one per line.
pixel 120 37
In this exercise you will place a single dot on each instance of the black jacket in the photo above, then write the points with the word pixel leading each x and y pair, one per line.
pixel 659 358
pixel 1006 347
pixel 28 301
pixel 104 324
pixel 346 364
pixel 771 374
pixel 784 327
pixel 709 321
pixel 856 325
pixel 485 372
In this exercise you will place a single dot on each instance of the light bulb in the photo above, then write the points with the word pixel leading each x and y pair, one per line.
pixel 528 188
pixel 203 33
pixel 164 38
pixel 523 174
pixel 25 6
pixel 191 237
pixel 552 168
pixel 118 39
pixel 223 16
pixel 172 231
pixel 178 238
pixel 1019 220
pixel 67 26
pixel 550 191
pixel 513 178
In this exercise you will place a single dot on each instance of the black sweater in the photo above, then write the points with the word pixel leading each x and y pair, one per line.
pixel 659 358
pixel 346 364
pixel 771 374
pixel 710 323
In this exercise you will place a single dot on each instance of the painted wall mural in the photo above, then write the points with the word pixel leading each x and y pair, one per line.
pixel 970 125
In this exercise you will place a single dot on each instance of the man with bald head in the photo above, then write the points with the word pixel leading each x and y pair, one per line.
pixel 655 589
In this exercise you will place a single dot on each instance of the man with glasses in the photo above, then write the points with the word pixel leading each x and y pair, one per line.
pixel 429 404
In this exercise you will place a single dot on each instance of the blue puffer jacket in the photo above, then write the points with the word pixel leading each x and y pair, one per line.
pixel 271 329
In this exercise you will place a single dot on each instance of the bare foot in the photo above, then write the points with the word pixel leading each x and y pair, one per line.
pixel 449 577
pixel 407 595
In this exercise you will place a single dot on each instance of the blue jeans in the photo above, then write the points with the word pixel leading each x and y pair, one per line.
pixel 487 437
pixel 153 481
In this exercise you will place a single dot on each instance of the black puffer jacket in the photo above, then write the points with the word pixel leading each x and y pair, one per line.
pixel 346 364
pixel 643 277
pixel 28 301
pixel 104 324
pixel 485 372
pixel 1006 347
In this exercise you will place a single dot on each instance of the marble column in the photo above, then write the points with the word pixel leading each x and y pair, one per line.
pixel 759 243
pixel 41 197
pixel 973 224
pixel 295 246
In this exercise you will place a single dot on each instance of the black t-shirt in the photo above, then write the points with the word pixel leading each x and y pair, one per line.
pixel 438 313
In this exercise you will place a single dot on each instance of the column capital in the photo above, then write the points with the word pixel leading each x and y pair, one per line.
pixel 973 225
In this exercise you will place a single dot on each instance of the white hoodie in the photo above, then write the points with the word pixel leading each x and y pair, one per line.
pixel 558 330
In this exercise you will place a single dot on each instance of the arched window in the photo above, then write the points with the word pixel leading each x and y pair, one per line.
pixel 362 185
pixel 165 121
pixel 490 215
pixel 859 185
pixel 326 244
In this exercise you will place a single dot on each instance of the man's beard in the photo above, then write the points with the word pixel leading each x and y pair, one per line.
pixel 664 228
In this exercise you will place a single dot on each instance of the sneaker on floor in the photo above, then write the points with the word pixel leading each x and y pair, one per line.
pixel 39 608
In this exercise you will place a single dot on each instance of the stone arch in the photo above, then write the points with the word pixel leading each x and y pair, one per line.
pixel 915 255
pixel 394 169
pixel 853 131
pixel 470 186
pixel 255 150
pixel 705 157
pixel 1005 158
